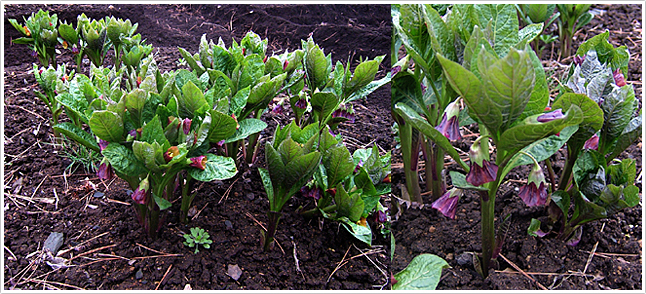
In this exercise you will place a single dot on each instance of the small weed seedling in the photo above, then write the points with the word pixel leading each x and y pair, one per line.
pixel 197 237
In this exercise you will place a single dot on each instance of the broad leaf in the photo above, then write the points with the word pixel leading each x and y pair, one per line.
pixel 592 117
pixel 323 104
pixel 217 168
pixel 107 125
pixel 266 182
pixel 363 234
pixel 348 205
pixel 504 25
pixel 161 202
pixel 222 126
pixel 123 160
pixel 338 164
pixel 423 273
pixel 247 127
pixel 191 100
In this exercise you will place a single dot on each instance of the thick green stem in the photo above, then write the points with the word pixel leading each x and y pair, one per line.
pixel 567 171
pixel 187 198
pixel 550 172
pixel 487 204
pixel 409 149
pixel 316 211
pixel 272 225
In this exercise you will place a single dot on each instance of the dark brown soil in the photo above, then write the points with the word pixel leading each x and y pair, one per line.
pixel 426 230
pixel 33 170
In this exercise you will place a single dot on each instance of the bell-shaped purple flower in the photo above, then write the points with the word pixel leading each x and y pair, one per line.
pixel 592 143
pixel 75 50
pixel 105 171
pixel 550 116
pixel 170 153
pixel 481 169
pixel 220 143
pixel 359 165
pixel 301 103
pixel 198 162
pixel 578 60
pixel 315 193
pixel 535 192
pixel 278 109
pixel 448 203
pixel 34 54
pixel 103 144
pixel 619 78
pixel 345 113
pixel 450 126
pixel 141 193
pixel 381 217
pixel 186 126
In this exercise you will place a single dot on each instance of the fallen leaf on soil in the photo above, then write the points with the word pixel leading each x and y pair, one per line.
pixel 234 272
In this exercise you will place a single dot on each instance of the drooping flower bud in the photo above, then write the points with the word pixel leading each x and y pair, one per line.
pixel 423 88
pixel 447 204
pixel 27 31
pixel 387 179
pixel 550 116
pixel 34 54
pixel 578 60
pixel 450 126
pixel 481 169
pixel 315 193
pixel 103 144
pixel 381 217
pixel 301 103
pixel 285 64
pixel 395 70
pixel 105 171
pixel 264 60
pixel 332 191
pixel 619 78
pixel 186 125
pixel 141 193
pixel 138 81
pixel 198 162
pixel 132 134
pixel 244 50
pixel 534 193
pixel 220 143
pixel 277 109
pixel 170 153
pixel 592 143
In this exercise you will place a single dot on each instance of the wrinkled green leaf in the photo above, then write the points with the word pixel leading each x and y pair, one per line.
pixel 217 168
pixel 423 273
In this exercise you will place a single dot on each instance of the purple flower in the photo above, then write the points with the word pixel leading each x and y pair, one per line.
pixel 301 103
pixel 141 193
pixel 592 143
pixel 105 171
pixel 220 143
pixel 34 54
pixel 448 203
pixel 75 50
pixel 535 192
pixel 423 88
pixel 170 153
pixel 186 125
pixel 619 78
pixel 359 165
pixel 315 193
pixel 395 70
pixel 103 144
pixel 198 162
pixel 578 60
pixel 449 126
pixel 481 169
pixel 381 217
pixel 132 133
pixel 345 113
pixel 550 116
pixel 278 109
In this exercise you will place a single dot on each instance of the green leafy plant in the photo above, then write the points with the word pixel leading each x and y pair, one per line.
pixel 289 166
pixel 572 17
pixel 40 35
pixel 347 188
pixel 151 134
pixel 93 37
pixel 197 237
pixel 71 39
pixel 118 31
pixel 52 81
pixel 536 14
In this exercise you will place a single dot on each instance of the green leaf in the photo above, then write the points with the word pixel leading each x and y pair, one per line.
pixel 541 149
pixel 247 127
pixel 182 77
pixel 363 234
pixel 107 125
pixel 338 164
pixel 323 104
pixel 275 164
pixel 617 109
pixel 217 168
pixel 298 172
pixel 253 68
pixel 529 33
pixel 562 200
pixel 627 137
pixel 534 226
pixel 368 89
pixel 77 134
pixel 153 132
pixel 123 160
pixel 504 25
pixel 222 126
pixel 191 61
pixel 363 75
pixel 76 104
pixel 423 273
pixel 266 182
pixel 623 173
pixel 348 205
pixel 508 82
pixel 134 102
pixel 471 89
pixel 316 65
pixel 145 152
pixel 162 203
pixel 520 136
pixel 425 128
pixel 459 181
pixel 239 101
pixel 540 96
pixel 191 100
pixel 592 117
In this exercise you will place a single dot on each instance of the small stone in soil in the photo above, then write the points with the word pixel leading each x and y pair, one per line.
pixel 234 271
pixel 250 196
pixel 139 274
pixel 464 259
pixel 53 242
pixel 228 224
pixel 98 194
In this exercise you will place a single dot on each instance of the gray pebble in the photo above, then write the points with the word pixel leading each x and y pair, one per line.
pixel 250 196
pixel 228 224
pixel 139 274
pixel 464 259
pixel 53 242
